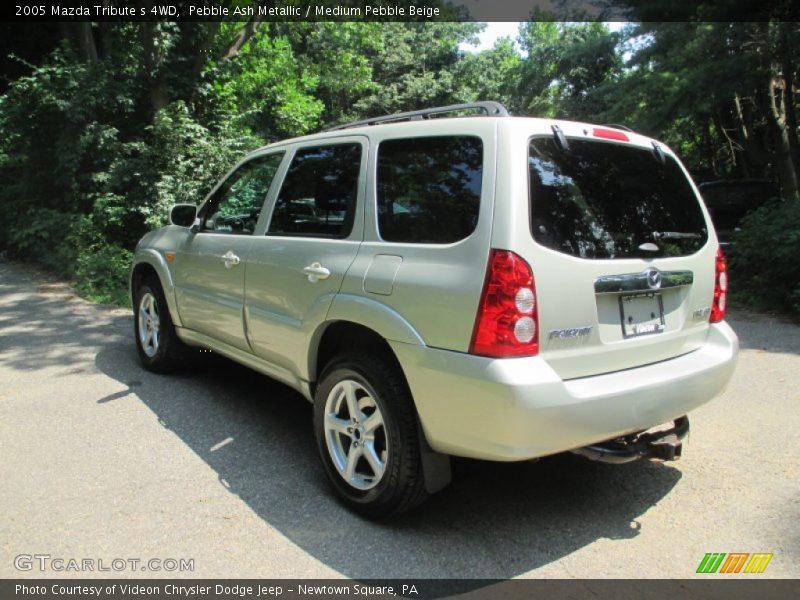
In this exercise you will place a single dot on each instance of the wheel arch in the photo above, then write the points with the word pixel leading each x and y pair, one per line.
pixel 335 335
pixel 363 317
pixel 151 263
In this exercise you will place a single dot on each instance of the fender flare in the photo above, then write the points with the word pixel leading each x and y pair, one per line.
pixel 157 261
pixel 374 315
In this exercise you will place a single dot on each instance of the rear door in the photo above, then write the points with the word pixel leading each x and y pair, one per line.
pixel 621 250
pixel 314 231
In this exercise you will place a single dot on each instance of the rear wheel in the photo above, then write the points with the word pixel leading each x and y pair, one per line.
pixel 160 350
pixel 366 430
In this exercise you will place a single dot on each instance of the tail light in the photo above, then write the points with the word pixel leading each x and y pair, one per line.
pixel 507 323
pixel 720 302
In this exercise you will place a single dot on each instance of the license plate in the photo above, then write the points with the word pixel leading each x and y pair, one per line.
pixel 641 314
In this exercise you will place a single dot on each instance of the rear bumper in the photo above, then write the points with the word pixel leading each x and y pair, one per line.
pixel 516 409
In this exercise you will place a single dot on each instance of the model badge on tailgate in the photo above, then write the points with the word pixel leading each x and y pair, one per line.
pixel 573 332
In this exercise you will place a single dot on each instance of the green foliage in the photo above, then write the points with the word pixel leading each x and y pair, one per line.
pixel 492 74
pixel 269 89
pixel 47 237
pixel 112 128
pixel 86 175
pixel 102 274
pixel 177 160
pixel 765 272
pixel 567 69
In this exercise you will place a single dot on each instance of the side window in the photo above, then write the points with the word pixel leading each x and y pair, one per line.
pixel 429 189
pixel 318 195
pixel 236 205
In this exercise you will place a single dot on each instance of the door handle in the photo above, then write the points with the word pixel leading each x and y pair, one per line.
pixel 316 271
pixel 230 259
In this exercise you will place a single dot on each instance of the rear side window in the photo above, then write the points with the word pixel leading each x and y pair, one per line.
pixel 429 189
pixel 604 200
pixel 318 195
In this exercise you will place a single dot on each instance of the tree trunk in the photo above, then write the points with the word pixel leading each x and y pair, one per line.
pixel 242 36
pixel 202 56
pixel 791 114
pixel 157 88
pixel 86 43
pixel 82 39
pixel 783 151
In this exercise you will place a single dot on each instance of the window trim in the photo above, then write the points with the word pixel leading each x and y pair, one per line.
pixel 357 224
pixel 379 236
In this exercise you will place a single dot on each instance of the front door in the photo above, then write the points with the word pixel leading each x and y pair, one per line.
pixel 210 266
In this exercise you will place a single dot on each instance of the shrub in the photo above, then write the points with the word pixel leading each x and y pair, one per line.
pixel 765 270
pixel 102 274
pixel 44 236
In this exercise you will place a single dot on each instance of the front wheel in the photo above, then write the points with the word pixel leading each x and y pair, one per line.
pixel 157 343
pixel 366 430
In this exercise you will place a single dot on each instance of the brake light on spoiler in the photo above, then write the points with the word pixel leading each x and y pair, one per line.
pixel 610 134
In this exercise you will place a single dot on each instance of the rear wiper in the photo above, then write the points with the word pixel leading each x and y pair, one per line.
pixel 675 235
pixel 560 138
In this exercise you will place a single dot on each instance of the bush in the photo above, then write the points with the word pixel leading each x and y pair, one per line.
pixel 765 270
pixel 44 236
pixel 102 274
pixel 87 172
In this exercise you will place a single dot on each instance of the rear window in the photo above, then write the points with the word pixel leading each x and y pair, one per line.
pixel 429 189
pixel 605 200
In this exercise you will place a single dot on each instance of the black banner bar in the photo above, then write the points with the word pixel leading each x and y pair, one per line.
pixel 722 588
pixel 400 10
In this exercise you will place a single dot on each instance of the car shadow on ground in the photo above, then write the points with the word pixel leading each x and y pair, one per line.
pixel 493 521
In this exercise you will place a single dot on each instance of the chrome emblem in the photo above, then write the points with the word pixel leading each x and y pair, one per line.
pixel 572 332
pixel 653 278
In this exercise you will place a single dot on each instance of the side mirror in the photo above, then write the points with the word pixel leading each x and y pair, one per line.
pixel 183 215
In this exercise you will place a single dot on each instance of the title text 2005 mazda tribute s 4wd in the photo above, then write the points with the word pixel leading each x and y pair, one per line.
pixel 483 286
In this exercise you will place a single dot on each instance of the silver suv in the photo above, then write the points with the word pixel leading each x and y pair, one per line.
pixel 447 285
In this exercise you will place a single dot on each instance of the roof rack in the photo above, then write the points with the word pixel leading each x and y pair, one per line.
pixel 491 108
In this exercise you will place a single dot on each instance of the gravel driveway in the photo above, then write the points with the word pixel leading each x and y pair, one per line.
pixel 103 460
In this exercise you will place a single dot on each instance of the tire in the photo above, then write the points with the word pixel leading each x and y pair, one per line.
pixel 391 440
pixel 160 350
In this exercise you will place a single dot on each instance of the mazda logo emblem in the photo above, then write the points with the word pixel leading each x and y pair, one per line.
pixel 653 278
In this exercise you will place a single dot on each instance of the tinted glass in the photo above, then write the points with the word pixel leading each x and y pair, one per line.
pixel 603 200
pixel 429 189
pixel 318 195
pixel 236 205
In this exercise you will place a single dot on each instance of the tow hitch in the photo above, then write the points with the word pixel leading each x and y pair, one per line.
pixel 665 444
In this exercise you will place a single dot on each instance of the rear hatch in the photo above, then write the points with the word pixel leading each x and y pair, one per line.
pixel 621 251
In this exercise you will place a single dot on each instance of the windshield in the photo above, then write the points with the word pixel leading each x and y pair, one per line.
pixel 606 200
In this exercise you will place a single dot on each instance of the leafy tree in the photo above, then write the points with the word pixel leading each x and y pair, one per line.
pixel 492 74
pixel 104 125
pixel 417 67
pixel 566 67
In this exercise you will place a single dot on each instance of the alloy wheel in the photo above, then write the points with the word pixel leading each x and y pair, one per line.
pixel 355 434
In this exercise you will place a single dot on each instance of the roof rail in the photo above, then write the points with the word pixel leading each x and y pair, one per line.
pixel 491 108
